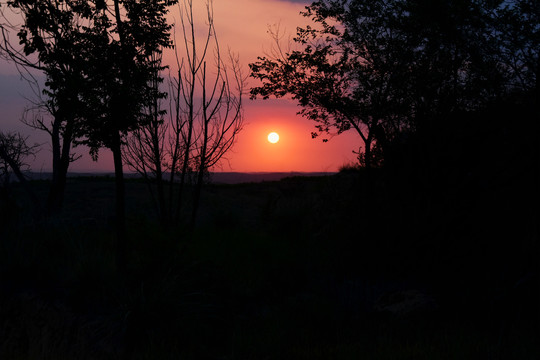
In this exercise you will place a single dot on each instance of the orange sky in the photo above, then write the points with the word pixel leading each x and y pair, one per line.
pixel 242 26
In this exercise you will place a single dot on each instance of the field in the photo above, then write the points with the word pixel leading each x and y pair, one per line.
pixel 349 266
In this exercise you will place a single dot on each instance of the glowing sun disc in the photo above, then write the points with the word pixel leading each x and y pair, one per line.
pixel 273 137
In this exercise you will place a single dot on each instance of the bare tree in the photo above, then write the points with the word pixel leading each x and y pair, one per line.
pixel 211 101
pixel 205 116
pixel 145 148
pixel 14 152
pixel 221 118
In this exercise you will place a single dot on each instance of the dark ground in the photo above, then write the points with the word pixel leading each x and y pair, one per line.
pixel 371 265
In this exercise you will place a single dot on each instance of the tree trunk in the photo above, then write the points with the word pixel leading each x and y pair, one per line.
pixel 171 187
pixel 116 148
pixel 367 154
pixel 202 160
pixel 176 153
pixel 202 164
pixel 163 216
pixel 186 158
pixel 170 183
pixel 198 189
pixel 121 234
pixel 161 198
pixel 61 161
pixel 182 181
pixel 56 191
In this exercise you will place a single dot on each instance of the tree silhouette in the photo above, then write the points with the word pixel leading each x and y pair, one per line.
pixel 52 33
pixel 121 66
pixel 517 34
pixel 344 74
pixel 98 58
pixel 384 68
pixel 14 154
pixel 212 101
pixel 14 151
pixel 145 148
pixel 205 115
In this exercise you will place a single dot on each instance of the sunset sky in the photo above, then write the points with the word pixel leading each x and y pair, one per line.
pixel 242 26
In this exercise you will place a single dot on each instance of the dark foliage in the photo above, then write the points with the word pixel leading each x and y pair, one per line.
pixel 390 69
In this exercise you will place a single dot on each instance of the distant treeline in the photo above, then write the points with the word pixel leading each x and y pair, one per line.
pixel 214 177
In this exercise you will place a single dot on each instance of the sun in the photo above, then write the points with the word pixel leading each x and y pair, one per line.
pixel 273 137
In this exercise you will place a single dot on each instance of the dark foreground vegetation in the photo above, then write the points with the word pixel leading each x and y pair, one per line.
pixel 391 263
